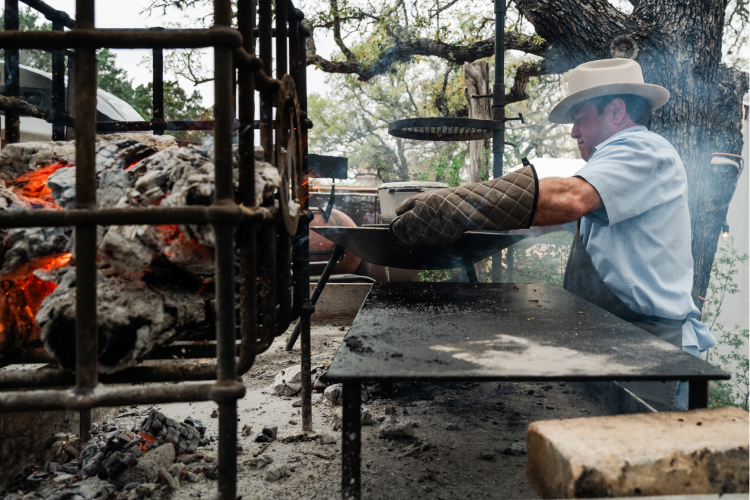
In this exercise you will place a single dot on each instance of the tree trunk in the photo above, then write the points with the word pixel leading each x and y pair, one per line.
pixel 678 45
pixel 477 78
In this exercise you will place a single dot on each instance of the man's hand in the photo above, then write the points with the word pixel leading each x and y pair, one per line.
pixel 441 217
pixel 565 200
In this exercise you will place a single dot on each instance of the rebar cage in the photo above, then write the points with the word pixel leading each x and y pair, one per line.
pixel 274 281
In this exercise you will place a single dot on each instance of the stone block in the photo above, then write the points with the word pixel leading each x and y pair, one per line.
pixel 676 453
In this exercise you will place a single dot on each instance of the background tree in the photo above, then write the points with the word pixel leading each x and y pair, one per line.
pixel 689 47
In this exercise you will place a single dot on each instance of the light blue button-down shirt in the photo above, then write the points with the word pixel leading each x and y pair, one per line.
pixel 640 240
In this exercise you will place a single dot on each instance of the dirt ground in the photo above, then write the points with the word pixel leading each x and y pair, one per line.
pixel 478 460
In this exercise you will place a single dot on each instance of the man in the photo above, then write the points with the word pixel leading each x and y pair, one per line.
pixel 631 254
pixel 371 217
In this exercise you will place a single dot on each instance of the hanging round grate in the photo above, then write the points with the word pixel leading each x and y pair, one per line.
pixel 443 129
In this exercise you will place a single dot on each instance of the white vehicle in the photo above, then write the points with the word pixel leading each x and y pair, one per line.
pixel 36 88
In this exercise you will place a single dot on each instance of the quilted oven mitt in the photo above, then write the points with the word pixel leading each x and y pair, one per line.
pixel 440 217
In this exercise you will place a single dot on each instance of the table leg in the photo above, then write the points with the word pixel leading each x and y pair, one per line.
pixel 351 443
pixel 471 274
pixel 698 394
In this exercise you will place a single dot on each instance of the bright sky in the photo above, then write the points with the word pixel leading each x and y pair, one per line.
pixel 111 14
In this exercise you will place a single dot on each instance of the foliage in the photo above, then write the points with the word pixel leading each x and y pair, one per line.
pixel 735 361
pixel 28 20
pixel 542 261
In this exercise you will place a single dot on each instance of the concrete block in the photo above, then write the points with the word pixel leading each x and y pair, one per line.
pixel 676 453
pixel 339 301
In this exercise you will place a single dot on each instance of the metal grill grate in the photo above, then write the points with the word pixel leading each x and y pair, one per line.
pixel 261 227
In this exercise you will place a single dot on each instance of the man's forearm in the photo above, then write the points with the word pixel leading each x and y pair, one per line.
pixel 564 200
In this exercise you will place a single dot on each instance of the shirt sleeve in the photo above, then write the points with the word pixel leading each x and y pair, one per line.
pixel 625 173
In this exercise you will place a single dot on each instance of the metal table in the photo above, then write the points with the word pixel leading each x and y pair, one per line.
pixel 494 332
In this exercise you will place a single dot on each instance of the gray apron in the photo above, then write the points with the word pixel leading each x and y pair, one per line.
pixel 582 279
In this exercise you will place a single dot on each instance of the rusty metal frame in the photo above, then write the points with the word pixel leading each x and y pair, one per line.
pixel 262 227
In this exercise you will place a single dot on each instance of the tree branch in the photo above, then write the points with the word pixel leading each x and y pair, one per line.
pixel 520 81
pixel 404 50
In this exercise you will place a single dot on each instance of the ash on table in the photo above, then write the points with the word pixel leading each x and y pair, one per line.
pixel 147 458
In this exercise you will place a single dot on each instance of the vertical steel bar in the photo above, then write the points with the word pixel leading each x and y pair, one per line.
pixel 510 264
pixel 697 394
pixel 281 38
pixel 58 87
pixel 266 261
pixel 158 86
pixel 246 240
pixel 85 76
pixel 351 442
pixel 498 114
pixel 266 98
pixel 224 255
pixel 305 244
pixel 12 75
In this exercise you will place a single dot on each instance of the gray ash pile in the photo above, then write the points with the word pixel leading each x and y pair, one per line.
pixel 148 457
pixel 155 283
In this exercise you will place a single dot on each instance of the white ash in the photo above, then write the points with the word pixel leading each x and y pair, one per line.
pixel 132 319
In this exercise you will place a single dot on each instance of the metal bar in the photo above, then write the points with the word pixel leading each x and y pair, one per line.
pixel 337 253
pixel 246 238
pixel 118 396
pixel 90 38
pixel 266 98
pixel 281 34
pixel 224 254
pixel 509 260
pixel 698 394
pixel 284 281
pixel 58 88
pixel 87 340
pixel 16 379
pixel 351 442
pixel 266 261
pixel 471 274
pixel 498 91
pixel 157 97
pixel 306 365
pixel 144 126
pixel 52 14
pixel 135 216
pixel 12 73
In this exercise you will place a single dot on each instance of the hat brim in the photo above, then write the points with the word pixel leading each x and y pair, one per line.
pixel 656 95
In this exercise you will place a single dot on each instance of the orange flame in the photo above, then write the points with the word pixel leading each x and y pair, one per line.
pixel 32 186
pixel 22 298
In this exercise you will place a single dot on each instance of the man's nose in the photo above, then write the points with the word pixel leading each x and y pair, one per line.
pixel 575 132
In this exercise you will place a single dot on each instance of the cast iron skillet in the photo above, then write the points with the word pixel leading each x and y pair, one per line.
pixel 375 244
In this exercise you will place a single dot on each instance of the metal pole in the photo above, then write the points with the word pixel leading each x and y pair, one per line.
pixel 87 349
pixel 351 442
pixel 509 257
pixel 157 97
pixel 246 239
pixel 266 98
pixel 308 308
pixel 58 87
pixel 498 114
pixel 12 75
pixel 281 38
pixel 224 255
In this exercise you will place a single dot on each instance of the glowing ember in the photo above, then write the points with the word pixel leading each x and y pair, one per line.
pixel 22 295
pixel 32 188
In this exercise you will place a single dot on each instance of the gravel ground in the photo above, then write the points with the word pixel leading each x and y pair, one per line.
pixel 476 434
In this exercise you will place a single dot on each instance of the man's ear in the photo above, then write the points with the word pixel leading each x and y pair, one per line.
pixel 618 110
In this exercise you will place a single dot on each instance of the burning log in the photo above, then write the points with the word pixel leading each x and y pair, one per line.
pixel 154 282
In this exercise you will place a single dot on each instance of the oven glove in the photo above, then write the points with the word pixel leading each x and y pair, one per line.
pixel 440 217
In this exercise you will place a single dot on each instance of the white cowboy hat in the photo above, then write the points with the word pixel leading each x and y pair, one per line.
pixel 606 77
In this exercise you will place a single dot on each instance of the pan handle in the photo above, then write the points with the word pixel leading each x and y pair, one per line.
pixel 390 226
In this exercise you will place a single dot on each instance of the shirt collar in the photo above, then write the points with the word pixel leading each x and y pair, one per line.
pixel 629 130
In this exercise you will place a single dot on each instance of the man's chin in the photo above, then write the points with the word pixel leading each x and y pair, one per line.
pixel 585 155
